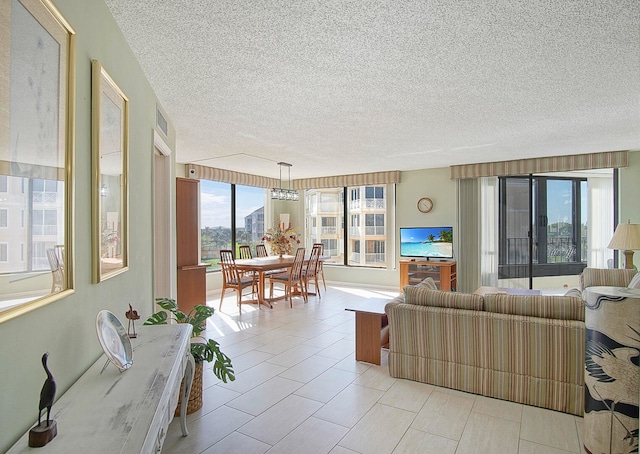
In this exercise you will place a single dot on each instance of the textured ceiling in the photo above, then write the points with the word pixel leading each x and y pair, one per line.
pixel 337 87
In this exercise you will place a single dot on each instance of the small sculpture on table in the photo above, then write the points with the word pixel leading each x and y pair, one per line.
pixel 43 433
pixel 132 316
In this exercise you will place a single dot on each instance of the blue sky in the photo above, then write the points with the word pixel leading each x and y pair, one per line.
pixel 215 203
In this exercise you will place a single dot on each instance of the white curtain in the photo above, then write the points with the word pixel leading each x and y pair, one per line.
pixel 489 231
pixel 600 221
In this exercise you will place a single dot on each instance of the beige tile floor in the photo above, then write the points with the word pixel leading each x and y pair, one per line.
pixel 299 389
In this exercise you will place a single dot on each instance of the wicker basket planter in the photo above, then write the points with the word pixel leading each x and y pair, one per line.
pixel 195 397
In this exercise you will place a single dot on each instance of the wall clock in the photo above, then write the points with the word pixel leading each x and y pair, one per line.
pixel 425 204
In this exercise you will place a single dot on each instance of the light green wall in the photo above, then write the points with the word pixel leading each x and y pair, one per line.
pixel 66 328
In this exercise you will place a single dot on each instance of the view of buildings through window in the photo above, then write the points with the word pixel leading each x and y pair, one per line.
pixel 230 215
pixel 558 228
pixel 366 232
pixel 31 222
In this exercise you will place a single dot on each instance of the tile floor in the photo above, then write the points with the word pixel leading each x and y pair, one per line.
pixel 299 389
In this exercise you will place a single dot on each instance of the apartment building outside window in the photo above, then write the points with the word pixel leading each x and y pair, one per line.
pixel 365 210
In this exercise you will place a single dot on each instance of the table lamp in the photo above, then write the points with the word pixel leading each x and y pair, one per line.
pixel 626 238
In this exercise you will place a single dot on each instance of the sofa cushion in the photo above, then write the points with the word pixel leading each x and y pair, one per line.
pixel 544 306
pixel 438 298
pixel 574 292
pixel 635 281
pixel 428 283
pixel 594 277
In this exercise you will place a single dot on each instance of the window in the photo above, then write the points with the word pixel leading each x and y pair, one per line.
pixel 3 183
pixel 354 205
pixel 552 212
pixel 230 215
pixel 4 252
pixel 4 223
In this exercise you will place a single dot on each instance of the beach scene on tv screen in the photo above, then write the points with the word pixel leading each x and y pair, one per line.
pixel 426 242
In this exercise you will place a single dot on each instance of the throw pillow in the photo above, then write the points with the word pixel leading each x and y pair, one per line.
pixel 428 283
pixel 437 298
pixel 635 281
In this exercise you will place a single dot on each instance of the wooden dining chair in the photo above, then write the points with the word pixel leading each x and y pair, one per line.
pixel 231 278
pixel 261 250
pixel 310 272
pixel 321 264
pixel 291 279
pixel 245 253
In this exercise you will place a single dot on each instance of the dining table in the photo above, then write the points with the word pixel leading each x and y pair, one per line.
pixel 262 265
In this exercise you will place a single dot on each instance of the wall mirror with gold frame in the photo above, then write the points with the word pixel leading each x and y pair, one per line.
pixel 110 139
pixel 37 99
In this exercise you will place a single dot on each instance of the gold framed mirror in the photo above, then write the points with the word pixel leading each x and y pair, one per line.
pixel 110 162
pixel 36 156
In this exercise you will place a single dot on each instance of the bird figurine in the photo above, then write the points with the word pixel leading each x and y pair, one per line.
pixel 132 315
pixel 48 392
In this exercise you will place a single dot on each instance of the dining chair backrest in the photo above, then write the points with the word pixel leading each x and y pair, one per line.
pixel 312 264
pixel 261 250
pixel 296 268
pixel 320 246
pixel 245 252
pixel 228 265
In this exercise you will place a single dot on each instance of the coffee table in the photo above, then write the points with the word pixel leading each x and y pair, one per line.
pixel 372 329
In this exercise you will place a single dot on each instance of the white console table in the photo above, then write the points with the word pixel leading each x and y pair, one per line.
pixel 125 412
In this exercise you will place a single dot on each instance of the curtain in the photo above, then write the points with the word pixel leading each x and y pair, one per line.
pixel 468 266
pixel 600 221
pixel 489 231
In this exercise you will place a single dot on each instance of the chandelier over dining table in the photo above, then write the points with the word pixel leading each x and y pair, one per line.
pixel 280 193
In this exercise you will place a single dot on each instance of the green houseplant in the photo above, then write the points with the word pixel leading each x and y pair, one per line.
pixel 206 350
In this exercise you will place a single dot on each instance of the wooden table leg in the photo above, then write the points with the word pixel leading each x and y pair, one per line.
pixel 261 298
pixel 368 328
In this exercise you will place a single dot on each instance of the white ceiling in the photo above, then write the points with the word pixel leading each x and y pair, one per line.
pixel 336 87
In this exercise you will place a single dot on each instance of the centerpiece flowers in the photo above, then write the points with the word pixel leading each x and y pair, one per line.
pixel 281 239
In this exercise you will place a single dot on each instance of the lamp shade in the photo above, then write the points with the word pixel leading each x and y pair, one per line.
pixel 626 237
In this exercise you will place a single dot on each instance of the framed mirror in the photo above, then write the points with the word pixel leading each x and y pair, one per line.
pixel 110 141
pixel 37 100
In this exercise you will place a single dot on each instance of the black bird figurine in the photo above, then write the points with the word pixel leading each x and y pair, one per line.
pixel 48 393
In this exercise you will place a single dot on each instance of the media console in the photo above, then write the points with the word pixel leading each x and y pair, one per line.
pixel 414 271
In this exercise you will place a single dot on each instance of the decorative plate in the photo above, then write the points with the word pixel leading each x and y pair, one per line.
pixel 114 340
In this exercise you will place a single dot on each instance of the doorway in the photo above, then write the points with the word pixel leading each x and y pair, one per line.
pixel 163 257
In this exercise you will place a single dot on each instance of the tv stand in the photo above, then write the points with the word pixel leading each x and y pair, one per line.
pixel 414 271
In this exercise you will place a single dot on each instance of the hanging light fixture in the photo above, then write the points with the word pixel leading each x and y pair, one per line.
pixel 280 193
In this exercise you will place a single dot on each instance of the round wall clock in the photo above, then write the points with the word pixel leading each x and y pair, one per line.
pixel 425 204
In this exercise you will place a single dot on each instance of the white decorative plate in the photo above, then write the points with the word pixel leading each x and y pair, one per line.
pixel 114 340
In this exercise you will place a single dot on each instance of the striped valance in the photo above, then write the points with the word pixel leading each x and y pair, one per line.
pixel 229 176
pixel 340 181
pixel 605 160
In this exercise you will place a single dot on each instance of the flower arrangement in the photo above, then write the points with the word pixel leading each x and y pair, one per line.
pixel 281 239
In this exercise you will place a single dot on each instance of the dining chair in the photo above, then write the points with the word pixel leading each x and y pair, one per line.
pixel 261 250
pixel 321 264
pixel 291 279
pixel 310 273
pixel 231 278
pixel 245 253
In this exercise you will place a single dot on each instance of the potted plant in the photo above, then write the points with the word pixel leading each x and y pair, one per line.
pixel 205 350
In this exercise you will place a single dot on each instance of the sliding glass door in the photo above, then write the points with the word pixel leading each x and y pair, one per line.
pixel 543 228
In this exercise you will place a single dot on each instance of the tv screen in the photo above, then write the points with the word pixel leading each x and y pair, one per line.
pixel 428 242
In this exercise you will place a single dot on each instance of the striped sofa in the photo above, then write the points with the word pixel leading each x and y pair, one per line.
pixel 526 349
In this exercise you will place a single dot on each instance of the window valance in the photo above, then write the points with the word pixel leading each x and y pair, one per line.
pixel 604 160
pixel 229 176
pixel 339 181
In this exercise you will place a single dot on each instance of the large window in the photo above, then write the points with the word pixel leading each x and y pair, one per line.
pixel 365 237
pixel 230 215
pixel 543 226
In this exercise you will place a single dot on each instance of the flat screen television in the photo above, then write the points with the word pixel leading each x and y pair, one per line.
pixel 426 242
